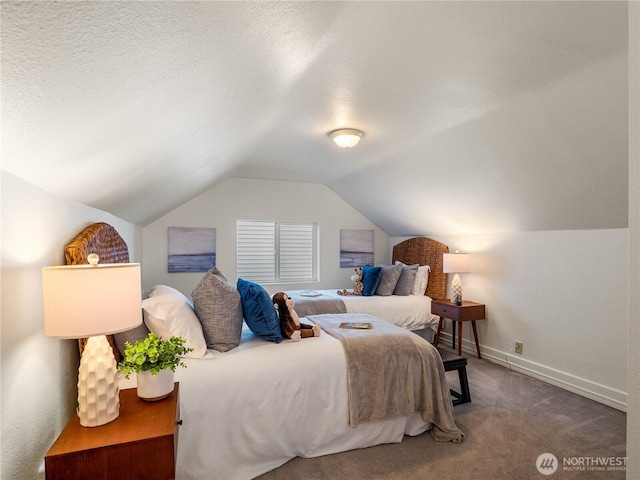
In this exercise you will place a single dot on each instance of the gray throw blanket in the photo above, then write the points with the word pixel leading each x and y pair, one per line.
pixel 392 372
pixel 306 306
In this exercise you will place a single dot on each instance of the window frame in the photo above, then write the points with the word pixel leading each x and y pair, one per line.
pixel 277 276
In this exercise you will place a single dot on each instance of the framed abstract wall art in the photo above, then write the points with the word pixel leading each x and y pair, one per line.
pixel 191 249
pixel 356 248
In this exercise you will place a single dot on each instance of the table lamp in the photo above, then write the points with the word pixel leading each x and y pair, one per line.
pixel 92 301
pixel 456 263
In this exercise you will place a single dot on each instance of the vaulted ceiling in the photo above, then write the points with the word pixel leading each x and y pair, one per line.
pixel 478 116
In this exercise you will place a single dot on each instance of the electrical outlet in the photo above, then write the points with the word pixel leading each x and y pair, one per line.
pixel 518 348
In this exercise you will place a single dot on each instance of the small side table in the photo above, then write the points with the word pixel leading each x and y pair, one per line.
pixel 467 312
pixel 140 443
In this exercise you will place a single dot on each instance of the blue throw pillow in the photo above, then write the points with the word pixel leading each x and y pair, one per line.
pixel 258 311
pixel 370 280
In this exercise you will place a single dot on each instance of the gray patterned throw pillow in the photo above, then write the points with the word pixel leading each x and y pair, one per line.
pixel 405 282
pixel 390 276
pixel 218 307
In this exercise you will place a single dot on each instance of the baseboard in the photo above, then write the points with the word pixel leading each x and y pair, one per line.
pixel 600 393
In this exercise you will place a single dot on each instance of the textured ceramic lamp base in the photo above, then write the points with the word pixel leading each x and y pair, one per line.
pixel 98 392
pixel 456 289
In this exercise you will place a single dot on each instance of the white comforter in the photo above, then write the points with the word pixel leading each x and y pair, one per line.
pixel 249 410
pixel 412 312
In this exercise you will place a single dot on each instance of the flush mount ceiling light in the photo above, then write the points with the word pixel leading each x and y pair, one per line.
pixel 346 137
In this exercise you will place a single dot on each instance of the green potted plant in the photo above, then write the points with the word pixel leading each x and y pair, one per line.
pixel 154 360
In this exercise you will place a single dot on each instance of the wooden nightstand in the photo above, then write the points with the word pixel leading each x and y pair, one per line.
pixel 141 443
pixel 467 312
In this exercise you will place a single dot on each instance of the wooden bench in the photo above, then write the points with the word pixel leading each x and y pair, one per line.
pixel 452 361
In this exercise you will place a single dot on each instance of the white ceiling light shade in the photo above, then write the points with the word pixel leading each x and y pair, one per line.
pixel 346 137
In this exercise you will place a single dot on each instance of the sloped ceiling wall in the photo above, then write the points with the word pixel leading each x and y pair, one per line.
pixel 478 116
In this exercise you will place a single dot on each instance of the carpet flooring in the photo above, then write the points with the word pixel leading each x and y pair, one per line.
pixel 512 420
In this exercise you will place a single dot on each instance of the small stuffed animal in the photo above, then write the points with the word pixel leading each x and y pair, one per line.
pixel 358 287
pixel 290 322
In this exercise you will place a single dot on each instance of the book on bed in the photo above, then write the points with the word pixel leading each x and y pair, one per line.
pixel 356 325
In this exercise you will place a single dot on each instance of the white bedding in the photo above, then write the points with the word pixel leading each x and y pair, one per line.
pixel 412 312
pixel 249 410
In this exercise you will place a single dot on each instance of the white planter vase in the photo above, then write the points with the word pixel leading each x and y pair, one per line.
pixel 155 387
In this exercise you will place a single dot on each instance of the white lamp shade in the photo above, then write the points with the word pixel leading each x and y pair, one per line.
pixel 456 262
pixel 86 300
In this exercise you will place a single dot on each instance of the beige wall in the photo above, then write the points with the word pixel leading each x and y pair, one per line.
pixel 561 293
pixel 245 199
pixel 564 294
pixel 521 277
pixel 633 382
pixel 38 373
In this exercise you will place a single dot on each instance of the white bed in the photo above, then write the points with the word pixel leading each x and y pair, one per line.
pixel 251 409
pixel 412 312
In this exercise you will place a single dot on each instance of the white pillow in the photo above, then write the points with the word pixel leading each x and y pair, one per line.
pixel 171 314
pixel 167 290
pixel 421 280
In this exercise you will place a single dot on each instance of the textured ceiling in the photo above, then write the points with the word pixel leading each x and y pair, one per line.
pixel 479 116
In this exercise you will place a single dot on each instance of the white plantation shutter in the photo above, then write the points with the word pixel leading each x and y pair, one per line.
pixel 296 252
pixel 256 251
pixel 271 252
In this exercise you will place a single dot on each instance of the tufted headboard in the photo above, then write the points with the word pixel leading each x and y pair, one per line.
pixel 424 251
pixel 103 239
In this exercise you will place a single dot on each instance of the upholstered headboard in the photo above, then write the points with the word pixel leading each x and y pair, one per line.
pixel 104 240
pixel 425 251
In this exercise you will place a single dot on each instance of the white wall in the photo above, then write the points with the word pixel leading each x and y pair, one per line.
pixel 245 199
pixel 633 381
pixel 38 373
pixel 564 294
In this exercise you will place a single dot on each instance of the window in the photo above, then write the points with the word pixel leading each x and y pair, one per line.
pixel 277 252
